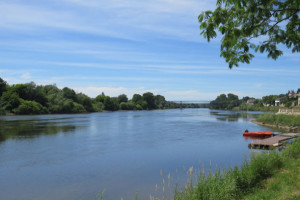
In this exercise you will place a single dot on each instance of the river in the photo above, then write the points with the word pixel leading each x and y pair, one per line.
pixel 121 153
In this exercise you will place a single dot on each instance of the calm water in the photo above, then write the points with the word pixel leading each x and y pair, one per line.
pixel 77 156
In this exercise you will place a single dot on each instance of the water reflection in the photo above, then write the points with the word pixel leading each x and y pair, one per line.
pixel 230 116
pixel 18 129
pixel 122 152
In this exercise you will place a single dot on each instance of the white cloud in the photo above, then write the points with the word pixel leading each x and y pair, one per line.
pixel 186 95
pixel 26 75
pixel 189 95
pixel 114 91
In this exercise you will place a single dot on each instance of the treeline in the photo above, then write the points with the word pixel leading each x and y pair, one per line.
pixel 30 98
pixel 267 103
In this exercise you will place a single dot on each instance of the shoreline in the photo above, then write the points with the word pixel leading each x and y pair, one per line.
pixel 282 127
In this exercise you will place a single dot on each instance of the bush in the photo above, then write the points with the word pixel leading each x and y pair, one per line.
pixel 30 108
pixel 98 106
pixel 139 107
pixel 78 108
pixel 293 150
pixel 2 111
pixel 127 106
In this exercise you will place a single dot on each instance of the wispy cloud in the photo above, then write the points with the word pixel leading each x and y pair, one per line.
pixel 114 91
pixel 127 46
pixel 122 19
pixel 26 76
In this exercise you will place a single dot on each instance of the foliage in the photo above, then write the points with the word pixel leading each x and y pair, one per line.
pixel 149 98
pixel 85 101
pixel 225 102
pixel 110 104
pixel 137 98
pixel 122 98
pixel 267 103
pixel 127 106
pixel 69 94
pixel 3 86
pixel 283 185
pixel 10 100
pixel 30 98
pixel 98 106
pixel 241 22
pixel 30 108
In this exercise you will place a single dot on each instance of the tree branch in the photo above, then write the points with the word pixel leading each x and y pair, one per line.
pixel 273 26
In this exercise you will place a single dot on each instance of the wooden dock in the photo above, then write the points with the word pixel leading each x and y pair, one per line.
pixel 273 142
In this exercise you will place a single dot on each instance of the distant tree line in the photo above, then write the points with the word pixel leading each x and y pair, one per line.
pixel 267 103
pixel 30 98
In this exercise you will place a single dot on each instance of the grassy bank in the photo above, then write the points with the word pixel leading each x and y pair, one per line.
pixel 290 121
pixel 284 185
pixel 248 180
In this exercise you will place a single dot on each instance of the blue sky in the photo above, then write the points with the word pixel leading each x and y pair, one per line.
pixel 129 46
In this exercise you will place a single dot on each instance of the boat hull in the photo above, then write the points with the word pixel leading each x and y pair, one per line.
pixel 257 134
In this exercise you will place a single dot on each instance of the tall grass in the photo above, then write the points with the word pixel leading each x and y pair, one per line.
pixel 284 120
pixel 236 182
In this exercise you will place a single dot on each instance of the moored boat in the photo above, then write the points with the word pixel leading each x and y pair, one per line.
pixel 257 134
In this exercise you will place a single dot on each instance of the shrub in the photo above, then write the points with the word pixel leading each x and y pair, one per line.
pixel 127 106
pixel 30 107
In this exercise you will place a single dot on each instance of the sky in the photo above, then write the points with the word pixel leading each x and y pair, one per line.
pixel 130 46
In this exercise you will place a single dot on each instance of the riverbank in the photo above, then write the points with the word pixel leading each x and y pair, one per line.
pixel 267 175
pixel 284 185
pixel 289 123
pixel 255 179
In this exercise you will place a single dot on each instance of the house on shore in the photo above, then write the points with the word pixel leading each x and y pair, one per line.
pixel 278 101
pixel 251 101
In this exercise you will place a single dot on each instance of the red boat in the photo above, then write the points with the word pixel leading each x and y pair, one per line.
pixel 257 134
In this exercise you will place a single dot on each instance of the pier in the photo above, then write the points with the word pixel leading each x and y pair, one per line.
pixel 273 142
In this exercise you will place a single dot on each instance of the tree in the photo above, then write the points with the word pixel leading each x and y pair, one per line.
pixel 110 104
pixel 136 98
pixel 127 106
pixel 149 98
pixel 10 100
pixel 122 98
pixel 100 98
pixel 241 21
pixel 225 102
pixel 160 101
pixel 30 108
pixel 69 93
pixel 3 86
pixel 85 101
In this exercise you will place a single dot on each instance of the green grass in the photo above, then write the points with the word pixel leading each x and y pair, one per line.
pixel 283 120
pixel 241 182
pixel 283 185
pixel 265 175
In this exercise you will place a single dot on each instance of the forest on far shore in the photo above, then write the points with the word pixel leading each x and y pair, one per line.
pixel 29 98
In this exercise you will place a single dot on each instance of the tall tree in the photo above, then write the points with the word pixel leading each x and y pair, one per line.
pixel 150 99
pixel 122 98
pixel 274 22
pixel 3 86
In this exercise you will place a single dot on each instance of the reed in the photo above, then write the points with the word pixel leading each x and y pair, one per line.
pixel 235 183
pixel 242 182
pixel 283 120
